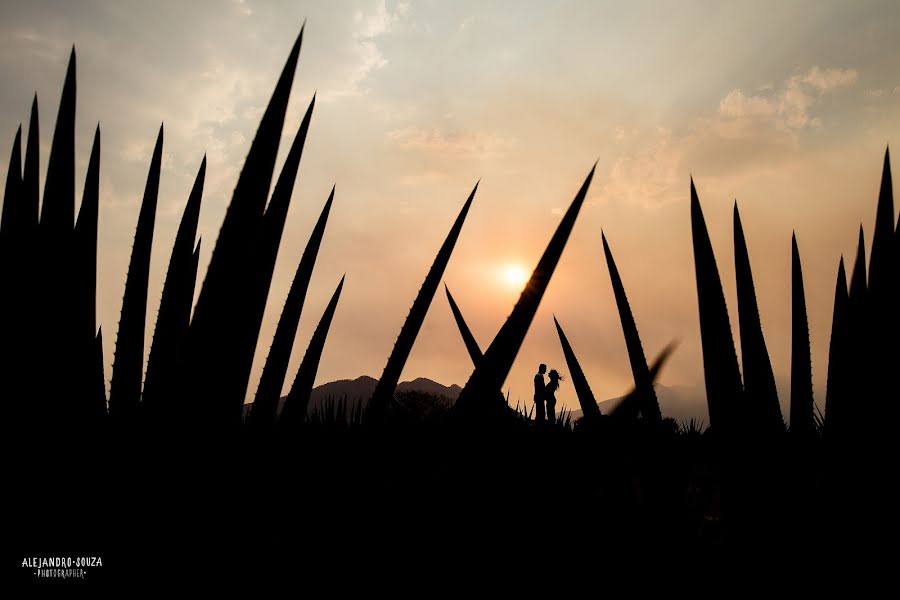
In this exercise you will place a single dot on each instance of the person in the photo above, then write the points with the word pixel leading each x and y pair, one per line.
pixel 550 394
pixel 539 392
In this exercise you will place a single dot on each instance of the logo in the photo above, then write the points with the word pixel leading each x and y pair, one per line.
pixel 61 567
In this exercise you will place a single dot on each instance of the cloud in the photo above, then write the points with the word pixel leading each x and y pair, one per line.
pixel 369 58
pixel 825 80
pixel 747 131
pixel 469 144
pixel 786 109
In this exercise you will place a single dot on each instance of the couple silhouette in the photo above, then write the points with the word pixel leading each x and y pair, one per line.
pixel 545 394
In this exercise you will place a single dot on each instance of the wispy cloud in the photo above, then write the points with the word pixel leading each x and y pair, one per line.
pixel 747 131
pixel 369 58
pixel 470 144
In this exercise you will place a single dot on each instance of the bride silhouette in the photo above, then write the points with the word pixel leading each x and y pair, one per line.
pixel 550 394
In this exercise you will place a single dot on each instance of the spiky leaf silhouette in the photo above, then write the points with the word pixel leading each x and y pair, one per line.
pixel 265 404
pixel 128 365
pixel 882 241
pixel 54 335
pixel 11 330
pixel 759 381
pixel 586 399
pixel 58 208
pixel 858 348
pixel 30 178
pixel 84 271
pixel 802 415
pixel 493 369
pixel 98 391
pixel 640 371
pixel 297 400
pixel 174 316
pixel 212 364
pixel 390 377
pixel 630 405
pixel 468 339
pixel 720 366
pixel 11 218
pixel 836 394
pixel 265 253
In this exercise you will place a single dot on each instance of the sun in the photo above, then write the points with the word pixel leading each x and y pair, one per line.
pixel 515 276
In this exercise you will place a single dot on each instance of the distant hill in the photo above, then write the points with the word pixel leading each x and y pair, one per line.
pixel 679 402
pixel 361 388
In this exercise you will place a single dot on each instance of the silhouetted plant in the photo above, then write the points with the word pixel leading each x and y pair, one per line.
pixel 631 403
pixel 492 370
pixel 265 404
pixel 84 390
pixel 212 366
pixel 474 351
pixel 174 317
pixel 836 394
pixel 720 367
pixel 761 395
pixel 802 416
pixel 128 365
pixel 640 371
pixel 54 324
pixel 294 411
pixel 384 390
pixel 264 255
pixel 586 399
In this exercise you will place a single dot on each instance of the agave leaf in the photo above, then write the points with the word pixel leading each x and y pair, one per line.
pixel 720 366
pixel 879 264
pixel 214 363
pixel 639 369
pixel 802 415
pixel 468 339
pixel 125 388
pixel 384 389
pixel 30 178
pixel 265 404
pixel 174 317
pixel 759 380
pixel 586 399
pixel 265 254
pixel 58 209
pixel 297 400
pixel 836 392
pixel 84 388
pixel 11 218
pixel 491 372
pixel 629 406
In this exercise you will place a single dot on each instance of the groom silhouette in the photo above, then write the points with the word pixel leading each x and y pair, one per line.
pixel 539 394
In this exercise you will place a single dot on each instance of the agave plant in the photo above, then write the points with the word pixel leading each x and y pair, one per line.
pixel 174 317
pixel 217 360
pixel 649 403
pixel 491 371
pixel 836 395
pixel 127 375
pixel 720 367
pixel 297 401
pixel 759 380
pixel 589 407
pixel 384 390
pixel 265 404
pixel 802 415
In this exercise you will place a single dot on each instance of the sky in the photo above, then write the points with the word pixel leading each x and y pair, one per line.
pixel 786 107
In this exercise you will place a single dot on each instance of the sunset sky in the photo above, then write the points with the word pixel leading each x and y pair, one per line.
pixel 785 106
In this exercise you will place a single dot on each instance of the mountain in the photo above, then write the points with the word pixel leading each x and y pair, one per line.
pixel 679 402
pixel 361 388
